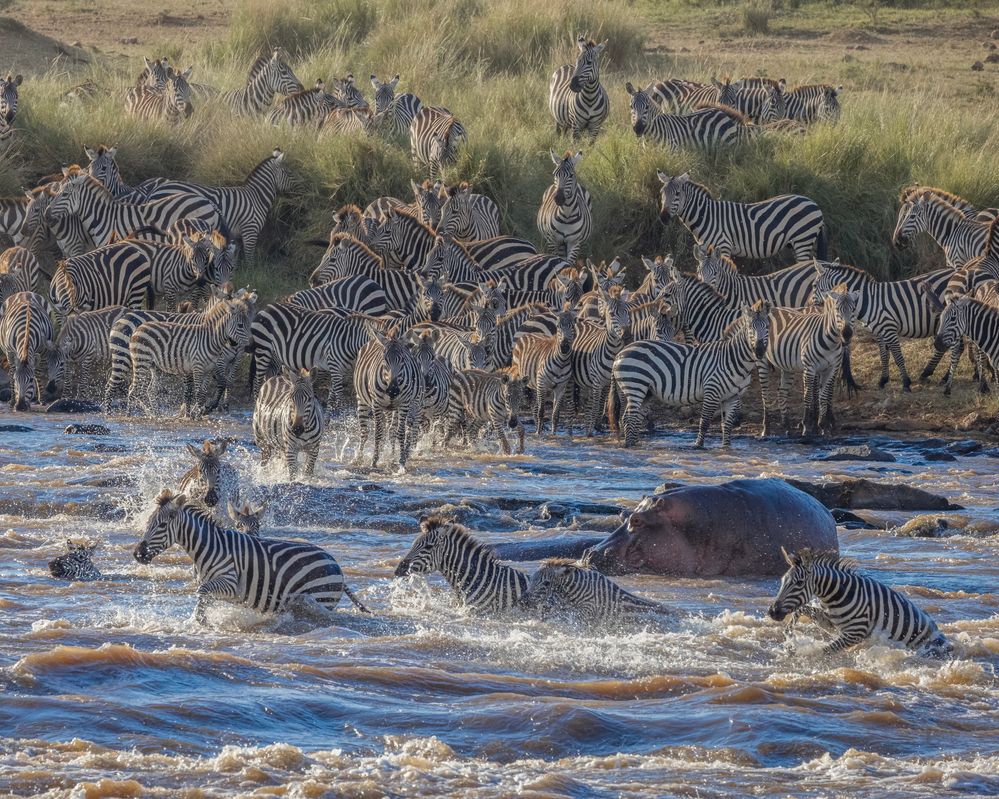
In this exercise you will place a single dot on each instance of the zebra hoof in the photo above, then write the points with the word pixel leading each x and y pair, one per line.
pixel 907 387
pixel 882 382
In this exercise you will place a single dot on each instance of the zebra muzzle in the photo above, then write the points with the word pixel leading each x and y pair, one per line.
pixel 776 613
pixel 575 85
pixel 559 197
pixel 212 498
pixel 639 127
pixel 402 569
pixel 939 344
pixel 847 332
pixel 141 553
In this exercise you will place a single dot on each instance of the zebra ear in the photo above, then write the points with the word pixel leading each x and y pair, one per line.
pixel 577 157
pixel 277 154
pixel 602 46
pixel 782 84
pixel 394 82
pixel 233 512
pixel 787 557
pixel 187 72
pixel 221 447
pixel 581 43
pixel 415 187
pixel 555 158
pixel 684 177
pixel 18 80
pixel 630 89
pixel 663 177
pixel 28 194
pixel 649 266
pixel 91 153
pixel 376 83
pixel 819 268
pixel 837 91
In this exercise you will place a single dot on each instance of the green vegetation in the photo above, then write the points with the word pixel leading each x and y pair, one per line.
pixel 489 62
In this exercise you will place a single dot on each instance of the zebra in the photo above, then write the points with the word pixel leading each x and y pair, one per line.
pixel 565 218
pixel 707 127
pixel 403 239
pixel 659 273
pixel 853 607
pixel 655 320
pixel 576 97
pixel 814 103
pixel 22 263
pixel 470 567
pixel 246 517
pixel 702 313
pixel 975 320
pixel 752 230
pixel 563 586
pixel 961 239
pixel 435 136
pixel 813 344
pixel 263 574
pixel 354 293
pixel 13 211
pixel 191 350
pixel 9 97
pixel 387 379
pixel 26 332
pixel 82 348
pixel 289 419
pixel 307 107
pixel 679 95
pixel 915 191
pixel 154 74
pixel 437 374
pixel 242 210
pixel 40 228
pixel 593 352
pixel 267 77
pixel 348 257
pixel 103 166
pixel 211 481
pixel 480 397
pixel 119 274
pixel 342 121
pixel 427 202
pixel 500 252
pixel 76 564
pixel 545 363
pixel 891 310
pixel 761 99
pixel 297 338
pixel 452 261
pixel 104 217
pixel 350 220
pixel 468 216
pixel 394 112
pixel 791 287
pixel 716 374
pixel 173 103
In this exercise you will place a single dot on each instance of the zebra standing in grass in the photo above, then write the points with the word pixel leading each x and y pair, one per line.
pixel 82 348
pixel 468 216
pixel 961 239
pixel 394 113
pixel 260 573
pixel 562 585
pixel 813 344
pixel 679 95
pixel 565 218
pixel 242 209
pixel 190 350
pixel 545 362
pixel 791 287
pixel 752 230
pixel 342 121
pixel 211 481
pixel 809 104
pixel 596 346
pixel 478 397
pixel 576 97
pixel 105 218
pixel 435 136
pixel 851 606
pixel 387 380
pixel 891 310
pixel 307 107
pixel 471 568
pixel 267 77
pixel 173 103
pixel 761 99
pixel 716 374
pixel 706 127
pixel 26 332
pixel 9 97
pixel 289 419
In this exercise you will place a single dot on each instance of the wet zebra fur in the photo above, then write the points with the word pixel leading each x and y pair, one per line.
pixel 82 350
pixel 545 363
pixel 478 398
pixel 474 573
pixel 288 420
pixel 26 333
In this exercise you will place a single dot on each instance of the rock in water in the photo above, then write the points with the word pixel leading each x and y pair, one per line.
pixel 861 493
pixel 14 428
pixel 87 430
pixel 864 452
pixel 73 406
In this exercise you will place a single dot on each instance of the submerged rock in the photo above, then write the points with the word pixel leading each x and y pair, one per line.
pixel 73 406
pixel 862 493
pixel 15 428
pixel 864 452
pixel 933 526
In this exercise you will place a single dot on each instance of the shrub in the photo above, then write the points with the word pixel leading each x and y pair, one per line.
pixel 755 19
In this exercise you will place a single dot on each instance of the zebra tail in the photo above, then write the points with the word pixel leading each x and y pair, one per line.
pixel 822 245
pixel 357 602
pixel 253 368
pixel 846 373
pixel 613 409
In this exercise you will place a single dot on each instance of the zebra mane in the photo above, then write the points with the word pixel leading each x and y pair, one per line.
pixel 944 206
pixel 582 564
pixel 829 559
pixel 461 532
pixel 737 116
pixel 992 239
pixel 758 80
pixel 909 193
pixel 463 247
pixel 257 67
pixel 350 209
pixel 347 238
pixel 848 269
pixel 823 86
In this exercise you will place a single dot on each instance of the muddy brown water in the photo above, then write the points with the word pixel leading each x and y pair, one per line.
pixel 111 688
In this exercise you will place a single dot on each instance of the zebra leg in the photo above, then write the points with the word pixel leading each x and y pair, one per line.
pixel 810 418
pixel 764 372
pixel 311 456
pixel 931 365
pixel 558 394
pixel 379 420
pixel 708 410
pixel 539 411
pixel 883 355
pixel 955 358
pixel 291 461
pixel 850 636
pixel 783 392
pixel 983 381
pixel 730 413
pixel 895 348
pixel 222 586
pixel 363 423
pixel 827 421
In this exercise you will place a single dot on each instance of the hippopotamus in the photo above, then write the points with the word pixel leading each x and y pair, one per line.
pixel 727 530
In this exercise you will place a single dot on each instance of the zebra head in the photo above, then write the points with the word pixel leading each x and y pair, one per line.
pixel 667 321
pixel 476 351
pixel 154 75
pixel 279 172
pixel 828 108
pixel 643 109
pixel 550 586
pixel 953 324
pixel 162 528
pixel 384 93
pixel 9 97
pixel 485 317
pixel 827 278
pixel 392 366
pixel 103 166
pixel 278 76
pixel 302 398
pixel 349 219
pixel 613 306
pixel 178 92
pixel 756 324
pixel 346 94
pixel 430 298
pixel 69 197
pixel 840 308
pixel 76 564
pixel 222 262
pixel 587 71
pixel 428 550
pixel 235 325
pixel 569 286
pixel 422 344
pixel 67 345
pixel 675 194
pixel 715 270
pixel 728 92
pixel 796 588
pixel 565 328
pixel 911 220
pixel 775 102
pixel 247 518
pixel 661 271
pixel 427 201
pixel 514 392
pixel 494 293
pixel 456 211
pixel 24 384
pixel 207 469
pixel 564 177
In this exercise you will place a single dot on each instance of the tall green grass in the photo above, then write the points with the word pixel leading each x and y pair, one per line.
pixel 489 62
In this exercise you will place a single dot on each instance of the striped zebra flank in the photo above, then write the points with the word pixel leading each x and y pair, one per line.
pixel 348 121
pixel 387 382
pixel 703 314
pixel 307 107
pixel 751 230
pixel 545 363
pixel 82 354
pixel 564 587
pixel 576 98
pixel 974 320
pixel 962 239
pixel 851 606
pixel 174 102
pixel 481 398
pixel 500 252
pixel 435 137
pixel 565 218
pixel 452 261
pixel 715 374
pixel 761 99
pixel 706 127
pixel 13 211
pixel 791 287
pixel 394 113
pixel 118 274
pixel 289 420
pixel 22 265
pixel 26 334
pixel 269 75
pixel 815 103
pixel 468 216
pixel 678 94
pixel 813 344
pixel 263 574
pixel 354 293
pixel 475 574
